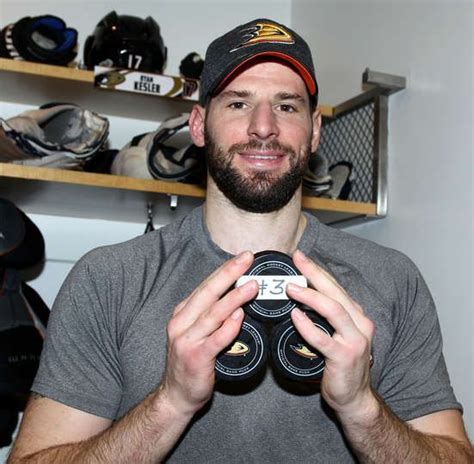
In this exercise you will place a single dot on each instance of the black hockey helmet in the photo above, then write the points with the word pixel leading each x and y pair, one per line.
pixel 126 42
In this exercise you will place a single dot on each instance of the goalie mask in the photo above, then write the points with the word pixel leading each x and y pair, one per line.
pixel 126 42
pixel 43 39
pixel 148 156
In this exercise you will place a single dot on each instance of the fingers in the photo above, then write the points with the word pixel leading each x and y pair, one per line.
pixel 353 330
pixel 327 285
pixel 212 319
pixel 203 325
pixel 313 335
pixel 336 314
pixel 223 336
pixel 211 290
pixel 322 280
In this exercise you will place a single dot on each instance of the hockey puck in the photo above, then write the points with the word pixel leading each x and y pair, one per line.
pixel 272 270
pixel 245 356
pixel 292 356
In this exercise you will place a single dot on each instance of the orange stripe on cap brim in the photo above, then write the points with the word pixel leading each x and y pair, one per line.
pixel 302 71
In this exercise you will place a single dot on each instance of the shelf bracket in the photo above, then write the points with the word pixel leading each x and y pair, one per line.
pixel 388 83
pixel 173 202
pixel 149 223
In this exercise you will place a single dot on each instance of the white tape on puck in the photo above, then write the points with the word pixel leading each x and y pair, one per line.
pixel 273 287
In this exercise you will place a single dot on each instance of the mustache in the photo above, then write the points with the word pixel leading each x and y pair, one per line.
pixel 258 145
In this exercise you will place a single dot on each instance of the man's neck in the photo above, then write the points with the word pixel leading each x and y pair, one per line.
pixel 235 230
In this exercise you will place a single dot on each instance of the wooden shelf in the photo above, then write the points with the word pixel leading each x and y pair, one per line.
pixel 99 180
pixel 31 182
pixel 80 75
pixel 46 70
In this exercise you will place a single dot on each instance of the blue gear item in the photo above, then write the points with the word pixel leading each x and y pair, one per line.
pixel 42 39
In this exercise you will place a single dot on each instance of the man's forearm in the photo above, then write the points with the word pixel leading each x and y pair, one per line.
pixel 381 436
pixel 145 434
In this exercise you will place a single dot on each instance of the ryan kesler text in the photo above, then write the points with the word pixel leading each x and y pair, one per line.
pixel 146 84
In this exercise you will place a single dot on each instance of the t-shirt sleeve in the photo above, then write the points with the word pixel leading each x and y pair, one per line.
pixel 414 381
pixel 80 360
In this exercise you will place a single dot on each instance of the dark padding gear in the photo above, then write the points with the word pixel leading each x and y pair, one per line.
pixel 191 66
pixel 42 39
pixel 21 242
pixel 21 341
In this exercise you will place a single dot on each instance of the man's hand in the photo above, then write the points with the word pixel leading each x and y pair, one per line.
pixel 375 433
pixel 201 327
pixel 346 382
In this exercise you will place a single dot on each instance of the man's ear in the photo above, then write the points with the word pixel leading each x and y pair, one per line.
pixel 196 125
pixel 317 121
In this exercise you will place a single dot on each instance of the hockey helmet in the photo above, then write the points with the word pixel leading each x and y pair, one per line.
pixel 128 42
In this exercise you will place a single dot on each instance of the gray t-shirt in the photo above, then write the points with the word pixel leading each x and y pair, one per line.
pixel 106 344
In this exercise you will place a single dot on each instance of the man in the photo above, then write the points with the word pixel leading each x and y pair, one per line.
pixel 107 392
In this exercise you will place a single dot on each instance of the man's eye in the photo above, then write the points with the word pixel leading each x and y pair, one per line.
pixel 237 105
pixel 287 108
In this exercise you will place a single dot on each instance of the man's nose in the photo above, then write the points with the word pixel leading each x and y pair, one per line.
pixel 263 122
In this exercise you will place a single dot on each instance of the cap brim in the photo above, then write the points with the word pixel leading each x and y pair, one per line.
pixel 302 71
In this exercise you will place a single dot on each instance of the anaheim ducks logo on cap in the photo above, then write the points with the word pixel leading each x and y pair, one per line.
pixel 264 33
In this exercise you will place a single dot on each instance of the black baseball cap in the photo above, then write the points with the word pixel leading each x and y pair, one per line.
pixel 258 38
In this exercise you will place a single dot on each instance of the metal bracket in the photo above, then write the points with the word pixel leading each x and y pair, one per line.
pixel 173 202
pixel 389 83
pixel 374 84
pixel 149 223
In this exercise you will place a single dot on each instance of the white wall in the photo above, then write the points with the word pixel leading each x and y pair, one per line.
pixel 430 141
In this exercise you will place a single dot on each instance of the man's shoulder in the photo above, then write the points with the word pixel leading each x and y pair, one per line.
pixel 152 246
pixel 345 244
pixel 373 261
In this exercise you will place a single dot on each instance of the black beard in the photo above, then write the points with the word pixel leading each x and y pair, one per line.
pixel 260 192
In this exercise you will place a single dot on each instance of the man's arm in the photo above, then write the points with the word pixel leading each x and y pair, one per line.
pixel 53 432
pixel 201 327
pixel 375 433
pixel 378 435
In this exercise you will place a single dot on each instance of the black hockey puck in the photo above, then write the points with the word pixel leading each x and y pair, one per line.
pixel 246 355
pixel 292 356
pixel 272 270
